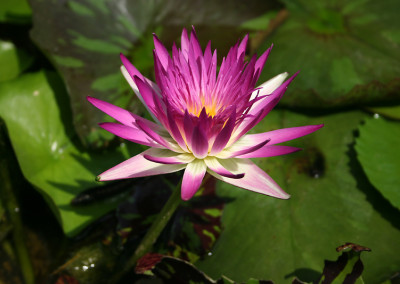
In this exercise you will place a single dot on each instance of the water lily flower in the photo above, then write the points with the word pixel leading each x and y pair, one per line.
pixel 201 118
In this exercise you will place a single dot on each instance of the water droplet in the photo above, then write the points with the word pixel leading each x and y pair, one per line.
pixel 54 146
pixel 84 268
pixel 209 253
pixel 376 115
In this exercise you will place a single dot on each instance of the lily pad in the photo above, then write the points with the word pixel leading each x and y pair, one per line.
pixel 36 112
pixel 347 52
pixel 87 56
pixel 392 112
pixel 377 152
pixel 267 238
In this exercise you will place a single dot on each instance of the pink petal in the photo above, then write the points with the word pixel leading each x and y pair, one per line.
pixel 164 156
pixel 157 137
pixel 174 130
pixel 146 92
pixel 284 134
pixel 130 68
pixel 270 151
pixel 120 114
pixel 269 86
pixel 199 143
pixel 129 133
pixel 242 46
pixel 161 52
pixel 138 166
pixel 257 114
pixel 214 165
pixel 243 146
pixel 276 93
pixel 223 137
pixel 255 179
pixel 192 178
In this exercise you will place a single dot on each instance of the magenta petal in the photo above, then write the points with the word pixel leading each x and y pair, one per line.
pixel 120 114
pixel 164 156
pixel 270 151
pixel 255 179
pixel 242 147
pixel 146 92
pixel 286 134
pixel 199 143
pixel 130 68
pixel 174 130
pixel 223 137
pixel 154 135
pixel 138 166
pixel 129 133
pixel 192 178
pixel 214 165
pixel 161 52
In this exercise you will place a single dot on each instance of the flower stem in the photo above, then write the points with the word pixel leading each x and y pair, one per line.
pixel 156 228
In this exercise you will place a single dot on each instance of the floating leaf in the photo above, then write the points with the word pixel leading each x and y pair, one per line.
pixel 267 238
pixel 377 152
pixel 347 52
pixel 387 111
pixel 87 56
pixel 41 135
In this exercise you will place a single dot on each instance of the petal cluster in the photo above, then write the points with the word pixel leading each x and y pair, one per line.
pixel 201 118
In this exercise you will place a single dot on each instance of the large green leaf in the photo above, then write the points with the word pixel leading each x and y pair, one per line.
pixel 348 52
pixel 377 149
pixel 332 203
pixel 83 39
pixel 38 120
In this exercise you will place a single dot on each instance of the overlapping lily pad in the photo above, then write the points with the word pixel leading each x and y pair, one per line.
pixel 37 115
pixel 347 52
pixel 331 204
pixel 376 151
pixel 83 39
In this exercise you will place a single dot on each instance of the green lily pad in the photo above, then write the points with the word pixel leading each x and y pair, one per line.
pixel 392 112
pixel 377 152
pixel 87 56
pixel 15 11
pixel 347 52
pixel 12 61
pixel 331 204
pixel 37 116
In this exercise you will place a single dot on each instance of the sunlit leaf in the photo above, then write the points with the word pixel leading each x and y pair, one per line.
pixel 37 116
pixel 331 203
pixel 347 52
pixel 377 152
